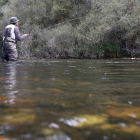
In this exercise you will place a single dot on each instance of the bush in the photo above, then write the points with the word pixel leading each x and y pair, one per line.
pixel 112 23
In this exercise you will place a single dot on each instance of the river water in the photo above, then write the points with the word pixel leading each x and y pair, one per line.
pixel 70 100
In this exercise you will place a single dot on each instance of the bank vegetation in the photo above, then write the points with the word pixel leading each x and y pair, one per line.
pixel 75 28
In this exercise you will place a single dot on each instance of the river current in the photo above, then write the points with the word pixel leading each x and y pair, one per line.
pixel 70 99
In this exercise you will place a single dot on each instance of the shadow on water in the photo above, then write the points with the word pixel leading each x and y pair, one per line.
pixel 70 100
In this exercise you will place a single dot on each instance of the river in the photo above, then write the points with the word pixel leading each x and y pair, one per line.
pixel 70 100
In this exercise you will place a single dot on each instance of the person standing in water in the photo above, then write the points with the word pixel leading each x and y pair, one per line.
pixel 10 37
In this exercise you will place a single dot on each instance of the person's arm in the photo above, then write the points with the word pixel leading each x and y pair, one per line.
pixel 18 36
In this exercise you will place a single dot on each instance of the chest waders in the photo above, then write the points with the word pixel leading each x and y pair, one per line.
pixel 9 52
pixel 5 48
pixel 1 52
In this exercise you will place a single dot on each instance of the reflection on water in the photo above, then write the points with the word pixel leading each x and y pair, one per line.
pixel 9 72
pixel 70 100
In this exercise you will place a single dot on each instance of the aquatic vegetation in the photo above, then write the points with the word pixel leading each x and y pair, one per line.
pixel 5 138
pixel 48 131
pixel 120 128
pixel 55 90
pixel 14 100
pixel 19 118
pixel 131 114
pixel 3 78
pixel 93 120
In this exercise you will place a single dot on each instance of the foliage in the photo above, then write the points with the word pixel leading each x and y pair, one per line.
pixel 3 2
pixel 112 23
pixel 76 29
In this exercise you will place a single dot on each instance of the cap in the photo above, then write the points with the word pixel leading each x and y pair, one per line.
pixel 13 20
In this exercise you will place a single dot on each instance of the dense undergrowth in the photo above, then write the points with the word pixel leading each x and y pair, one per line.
pixel 76 28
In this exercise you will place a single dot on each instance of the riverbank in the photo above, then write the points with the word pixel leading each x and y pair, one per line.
pixel 80 29
pixel 35 58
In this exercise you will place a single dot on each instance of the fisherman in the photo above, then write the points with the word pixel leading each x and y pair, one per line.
pixel 10 37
